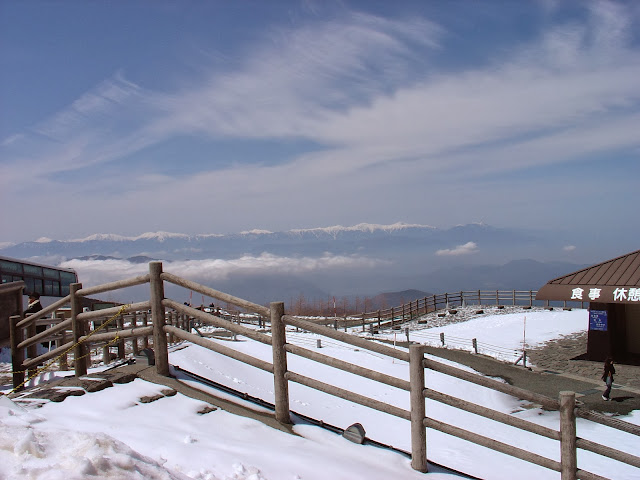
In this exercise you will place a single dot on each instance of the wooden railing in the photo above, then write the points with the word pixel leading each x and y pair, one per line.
pixel 163 310
pixel 395 316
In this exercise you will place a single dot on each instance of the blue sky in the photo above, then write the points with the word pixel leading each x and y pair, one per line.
pixel 217 117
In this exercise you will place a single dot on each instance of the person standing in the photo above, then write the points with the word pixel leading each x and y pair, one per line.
pixel 607 377
pixel 34 305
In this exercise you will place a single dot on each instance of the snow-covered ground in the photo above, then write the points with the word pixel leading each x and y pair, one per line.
pixel 499 333
pixel 111 434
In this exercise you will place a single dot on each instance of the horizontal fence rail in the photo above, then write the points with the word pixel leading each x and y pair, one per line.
pixel 225 297
pixel 348 395
pixel 221 349
pixel 492 414
pixel 45 311
pixel 348 367
pixel 544 401
pixel 161 321
pixel 218 322
pixel 493 444
pixel 346 338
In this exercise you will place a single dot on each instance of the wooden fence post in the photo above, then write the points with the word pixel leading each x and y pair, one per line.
pixel 280 383
pixel 145 322
pixel 568 456
pixel 17 354
pixel 120 324
pixel 32 350
pixel 64 360
pixel 157 315
pixel 134 340
pixel 418 430
pixel 168 320
pixel 531 298
pixel 80 350
pixel 106 354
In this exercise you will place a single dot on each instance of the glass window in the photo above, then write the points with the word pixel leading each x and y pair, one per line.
pixel 12 267
pixel 51 273
pixel 67 277
pixel 64 290
pixel 48 287
pixel 30 284
pixel 32 270
pixel 7 278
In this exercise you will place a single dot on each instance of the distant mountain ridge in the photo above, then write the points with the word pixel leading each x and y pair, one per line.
pixel 161 236
pixel 358 260
pixel 360 239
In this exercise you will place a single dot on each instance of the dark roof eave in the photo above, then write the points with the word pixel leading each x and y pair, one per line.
pixel 589 293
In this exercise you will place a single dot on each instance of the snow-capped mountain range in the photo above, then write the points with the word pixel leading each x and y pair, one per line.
pixel 361 239
pixel 333 231
pixel 359 259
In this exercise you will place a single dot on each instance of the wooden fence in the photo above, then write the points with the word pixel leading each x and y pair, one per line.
pixel 163 310
pixel 394 316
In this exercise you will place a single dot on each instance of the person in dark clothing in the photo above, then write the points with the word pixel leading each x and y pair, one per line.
pixel 34 305
pixel 607 377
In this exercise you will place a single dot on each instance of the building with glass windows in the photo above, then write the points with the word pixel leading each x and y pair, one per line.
pixel 48 281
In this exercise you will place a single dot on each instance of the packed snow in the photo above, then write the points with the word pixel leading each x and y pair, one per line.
pixel 111 434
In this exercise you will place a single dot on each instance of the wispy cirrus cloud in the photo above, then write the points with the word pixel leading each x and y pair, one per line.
pixel 368 96
pixel 466 249
pixel 352 86
pixel 284 88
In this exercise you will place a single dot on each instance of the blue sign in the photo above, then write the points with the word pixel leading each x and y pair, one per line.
pixel 598 320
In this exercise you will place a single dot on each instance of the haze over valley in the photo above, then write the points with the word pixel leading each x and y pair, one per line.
pixel 363 260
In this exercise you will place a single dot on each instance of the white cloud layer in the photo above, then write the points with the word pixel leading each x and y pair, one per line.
pixel 466 249
pixel 96 272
